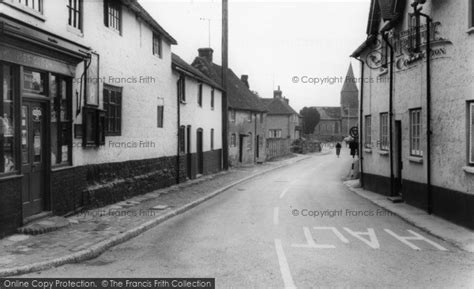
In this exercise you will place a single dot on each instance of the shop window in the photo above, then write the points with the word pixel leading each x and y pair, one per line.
pixel 233 140
pixel 471 133
pixel 113 15
pixel 7 122
pixel 212 139
pixel 415 133
pixel 368 131
pixel 157 45
pixel 160 115
pixel 61 121
pixel 75 13
pixel 384 131
pixel 34 81
pixel 182 88
pixel 113 110
pixel 199 98
pixel 212 98
pixel 36 5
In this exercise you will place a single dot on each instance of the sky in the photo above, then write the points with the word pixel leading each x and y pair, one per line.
pixel 301 46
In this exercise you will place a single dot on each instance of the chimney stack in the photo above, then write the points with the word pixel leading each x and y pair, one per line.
pixel 245 79
pixel 278 93
pixel 206 53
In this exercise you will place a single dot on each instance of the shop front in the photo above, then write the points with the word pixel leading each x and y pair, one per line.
pixel 36 71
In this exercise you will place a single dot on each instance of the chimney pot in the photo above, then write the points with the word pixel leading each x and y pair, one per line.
pixel 245 79
pixel 278 93
pixel 206 53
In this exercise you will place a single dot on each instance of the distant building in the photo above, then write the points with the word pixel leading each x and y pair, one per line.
pixel 247 113
pixel 282 124
pixel 336 122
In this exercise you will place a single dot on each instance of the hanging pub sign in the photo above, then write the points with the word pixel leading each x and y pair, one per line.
pixel 92 81
pixel 404 51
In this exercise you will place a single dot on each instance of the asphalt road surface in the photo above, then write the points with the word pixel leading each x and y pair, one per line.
pixel 297 227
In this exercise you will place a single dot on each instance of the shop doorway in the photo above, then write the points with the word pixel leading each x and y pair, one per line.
pixel 33 155
pixel 398 159
pixel 189 155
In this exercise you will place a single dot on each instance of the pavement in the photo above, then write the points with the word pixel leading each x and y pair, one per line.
pixel 92 232
pixel 295 227
pixel 461 237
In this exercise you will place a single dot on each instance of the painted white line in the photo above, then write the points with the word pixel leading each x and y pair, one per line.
pixel 275 216
pixel 284 268
pixel 415 237
pixel 335 231
pixel 284 193
pixel 310 242
pixel 373 242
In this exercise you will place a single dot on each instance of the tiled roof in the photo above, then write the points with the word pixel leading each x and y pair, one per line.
pixel 388 10
pixel 277 106
pixel 141 12
pixel 192 71
pixel 239 95
pixel 329 112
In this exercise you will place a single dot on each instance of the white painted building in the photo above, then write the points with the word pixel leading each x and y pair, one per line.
pixel 66 133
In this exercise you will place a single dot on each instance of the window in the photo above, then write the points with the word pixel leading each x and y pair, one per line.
pixel 7 121
pixel 249 117
pixel 414 33
pixel 182 144
pixel 212 139
pixel 250 142
pixel 274 133
pixel 34 82
pixel 74 8
pixel 212 98
pixel 368 132
pixel 384 131
pixel 157 45
pixel 182 88
pixel 261 117
pixel 36 5
pixel 415 133
pixel 199 98
pixel 113 108
pixel 113 15
pixel 232 115
pixel 160 115
pixel 61 121
pixel 233 140
pixel 471 133
pixel 384 56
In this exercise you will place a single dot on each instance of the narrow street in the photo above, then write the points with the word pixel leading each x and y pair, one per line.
pixel 260 235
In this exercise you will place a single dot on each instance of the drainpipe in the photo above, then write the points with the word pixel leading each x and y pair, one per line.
pixel 361 122
pixel 178 102
pixel 390 114
pixel 428 111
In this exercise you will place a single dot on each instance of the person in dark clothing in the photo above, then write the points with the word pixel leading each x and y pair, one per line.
pixel 354 147
pixel 338 149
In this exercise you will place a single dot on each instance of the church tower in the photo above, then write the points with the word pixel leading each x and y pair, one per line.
pixel 349 102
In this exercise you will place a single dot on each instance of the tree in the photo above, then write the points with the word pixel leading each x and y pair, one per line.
pixel 311 119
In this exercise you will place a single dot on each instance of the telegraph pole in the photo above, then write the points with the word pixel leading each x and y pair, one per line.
pixel 225 65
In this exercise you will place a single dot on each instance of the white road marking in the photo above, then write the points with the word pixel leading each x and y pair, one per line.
pixel 310 242
pixel 335 231
pixel 284 268
pixel 415 237
pixel 373 242
pixel 275 216
pixel 284 193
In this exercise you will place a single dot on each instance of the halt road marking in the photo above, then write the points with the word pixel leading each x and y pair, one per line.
pixel 415 237
pixel 284 193
pixel 335 231
pixel 310 242
pixel 275 216
pixel 284 268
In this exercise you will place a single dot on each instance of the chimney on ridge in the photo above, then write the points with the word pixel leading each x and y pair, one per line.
pixel 278 93
pixel 245 79
pixel 206 53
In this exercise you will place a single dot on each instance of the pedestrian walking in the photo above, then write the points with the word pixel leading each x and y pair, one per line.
pixel 338 149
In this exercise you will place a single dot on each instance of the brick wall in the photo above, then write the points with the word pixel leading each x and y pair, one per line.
pixel 10 206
